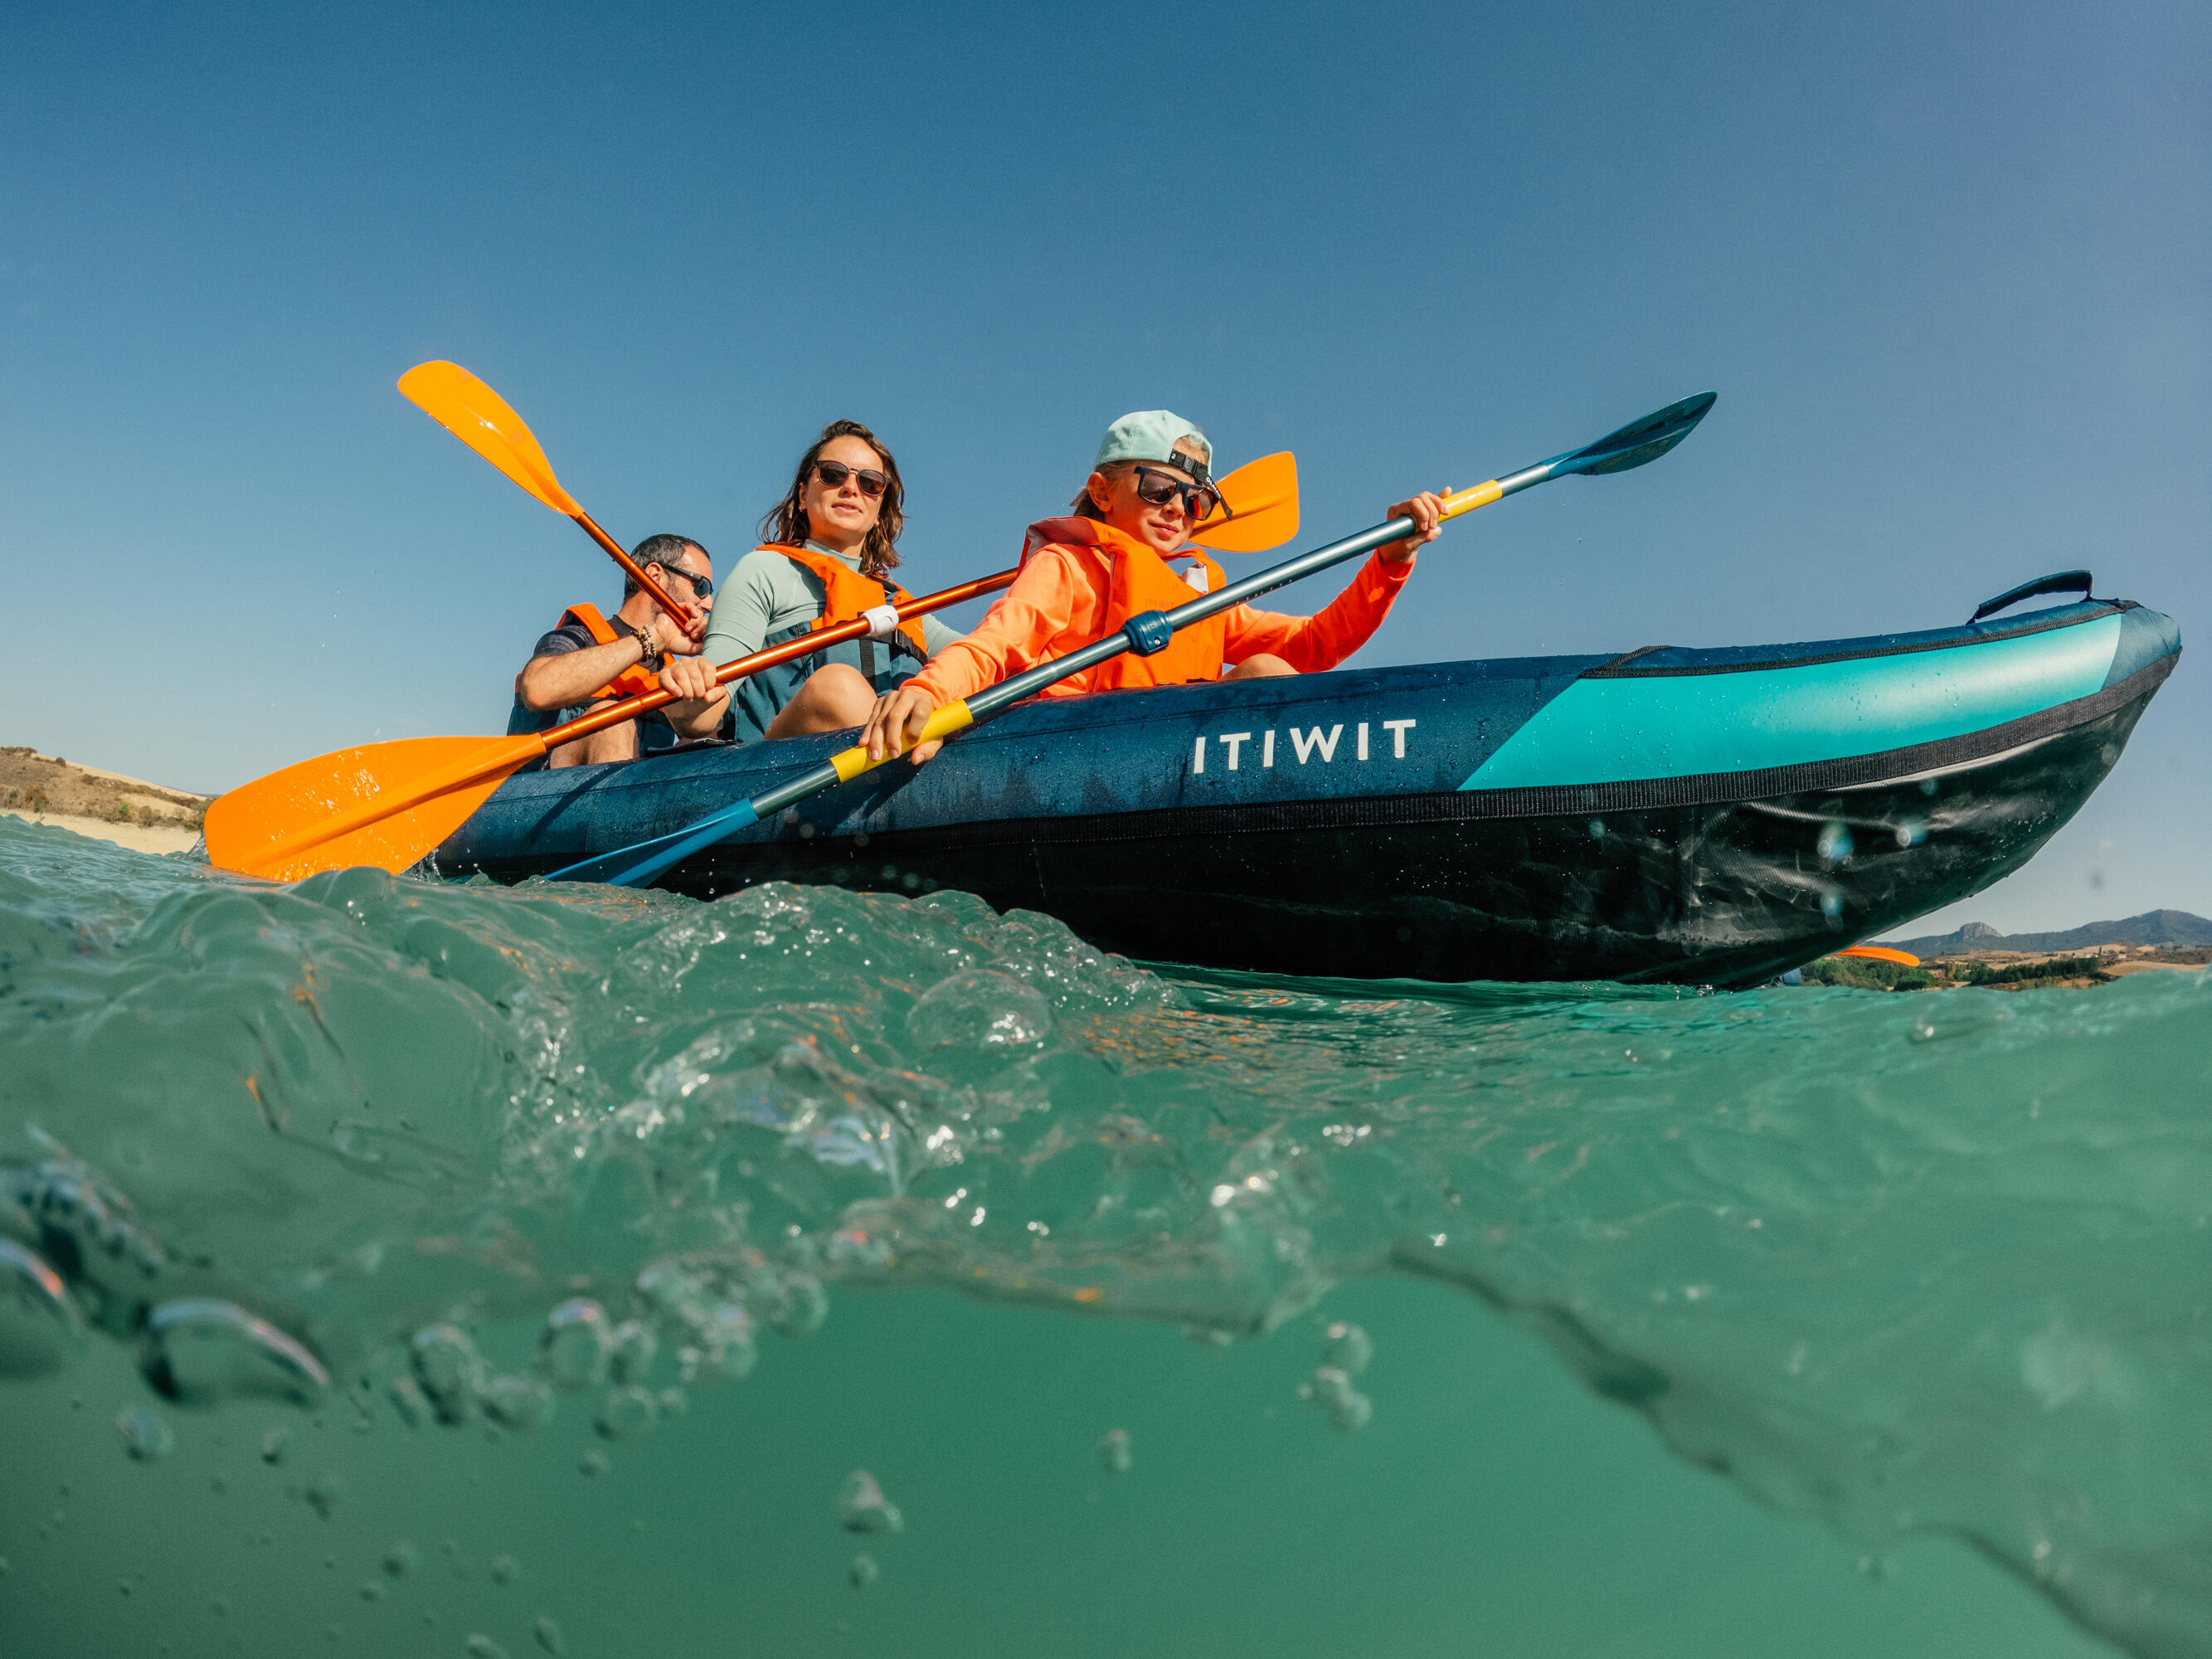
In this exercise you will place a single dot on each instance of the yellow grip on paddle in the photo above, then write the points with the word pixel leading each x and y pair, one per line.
pixel 1466 501
pixel 953 717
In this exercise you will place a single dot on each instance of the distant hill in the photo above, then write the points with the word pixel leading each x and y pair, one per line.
pixel 2175 927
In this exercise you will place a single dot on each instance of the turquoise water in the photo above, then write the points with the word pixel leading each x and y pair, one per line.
pixel 391 1266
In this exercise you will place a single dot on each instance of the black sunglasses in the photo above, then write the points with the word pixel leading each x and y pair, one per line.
pixel 833 473
pixel 1157 488
pixel 701 585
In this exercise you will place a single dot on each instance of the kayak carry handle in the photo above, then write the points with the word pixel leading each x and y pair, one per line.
pixel 2062 582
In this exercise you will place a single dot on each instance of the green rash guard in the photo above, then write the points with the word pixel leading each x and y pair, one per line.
pixel 767 594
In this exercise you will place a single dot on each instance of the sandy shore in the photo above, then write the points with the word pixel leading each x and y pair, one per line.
pixel 139 838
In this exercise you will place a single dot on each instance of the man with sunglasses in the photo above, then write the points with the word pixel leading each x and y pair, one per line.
pixel 588 659
pixel 1124 552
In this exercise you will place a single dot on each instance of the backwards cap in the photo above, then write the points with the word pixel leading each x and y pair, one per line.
pixel 1150 434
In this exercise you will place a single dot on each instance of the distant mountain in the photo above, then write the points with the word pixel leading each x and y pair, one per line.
pixel 2175 927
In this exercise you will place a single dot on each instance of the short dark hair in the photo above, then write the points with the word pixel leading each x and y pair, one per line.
pixel 664 550
pixel 785 522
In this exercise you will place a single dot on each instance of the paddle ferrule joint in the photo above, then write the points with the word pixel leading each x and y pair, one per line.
pixel 1148 633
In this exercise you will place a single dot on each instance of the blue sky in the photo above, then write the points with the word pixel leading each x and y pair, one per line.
pixel 1949 267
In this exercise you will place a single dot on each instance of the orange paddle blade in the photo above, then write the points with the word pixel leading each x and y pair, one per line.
pixel 1263 501
pixel 1881 953
pixel 480 418
pixel 342 809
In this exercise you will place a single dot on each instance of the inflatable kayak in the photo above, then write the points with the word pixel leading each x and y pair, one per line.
pixel 1702 816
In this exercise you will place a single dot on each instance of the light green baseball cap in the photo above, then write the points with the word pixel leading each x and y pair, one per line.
pixel 1151 435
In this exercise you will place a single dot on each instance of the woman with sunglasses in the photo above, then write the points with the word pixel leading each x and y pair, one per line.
pixel 1124 553
pixel 831 545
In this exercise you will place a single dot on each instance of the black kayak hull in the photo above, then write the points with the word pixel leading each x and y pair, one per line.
pixel 1449 822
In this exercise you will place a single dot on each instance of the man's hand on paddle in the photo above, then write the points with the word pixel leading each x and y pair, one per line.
pixel 1426 510
pixel 895 721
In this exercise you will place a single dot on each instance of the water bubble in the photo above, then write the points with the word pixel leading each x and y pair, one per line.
pixel 1348 1409
pixel 547 1632
pixel 594 1463
pixel 409 1402
pixel 481 1646
pixel 863 1571
pixel 634 1347
pixel 201 1351
pixel 40 1325
pixel 862 1507
pixel 626 1412
pixel 517 1403
pixel 1114 1451
pixel 1911 832
pixel 802 1306
pixel 1832 905
pixel 504 1569
pixel 400 1559
pixel 578 1337
pixel 145 1436
pixel 323 1493
pixel 275 1443
pixel 979 1009
pixel 1347 1347
pixel 1835 842
pixel 450 1370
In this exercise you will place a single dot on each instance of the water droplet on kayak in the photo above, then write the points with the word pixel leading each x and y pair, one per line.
pixel 1835 842
pixel 594 1464
pixel 573 1352
pixel 1911 832
pixel 323 1493
pixel 275 1443
pixel 862 1507
pixel 400 1559
pixel 449 1369
pixel 1114 1451
pixel 979 1009
pixel 1597 828
pixel 1832 905
pixel 547 1632
pixel 863 1571
pixel 201 1350
pixel 626 1412
pixel 371 1590
pixel 504 1569
pixel 481 1646
pixel 517 1403
pixel 145 1436
pixel 1347 1348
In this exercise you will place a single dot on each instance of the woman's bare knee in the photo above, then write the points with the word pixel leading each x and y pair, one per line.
pixel 1262 667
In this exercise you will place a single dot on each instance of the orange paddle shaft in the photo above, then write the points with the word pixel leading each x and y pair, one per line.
pixel 631 568
pixel 805 645
pixel 505 756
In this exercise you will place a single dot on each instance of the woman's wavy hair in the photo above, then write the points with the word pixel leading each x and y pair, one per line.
pixel 786 521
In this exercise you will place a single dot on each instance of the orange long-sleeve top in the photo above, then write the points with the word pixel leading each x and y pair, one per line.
pixel 1059 603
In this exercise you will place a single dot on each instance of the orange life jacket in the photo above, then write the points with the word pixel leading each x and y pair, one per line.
pixel 847 593
pixel 1142 581
pixel 632 679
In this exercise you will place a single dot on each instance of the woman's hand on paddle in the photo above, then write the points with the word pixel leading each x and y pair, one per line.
pixel 1426 510
pixel 896 720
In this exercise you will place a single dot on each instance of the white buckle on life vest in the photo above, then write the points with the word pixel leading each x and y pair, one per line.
pixel 882 620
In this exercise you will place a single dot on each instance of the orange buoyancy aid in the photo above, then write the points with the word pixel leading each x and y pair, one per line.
pixel 632 680
pixel 847 594
pixel 1143 581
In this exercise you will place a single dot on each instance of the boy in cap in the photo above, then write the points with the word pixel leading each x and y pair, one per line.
pixel 1122 553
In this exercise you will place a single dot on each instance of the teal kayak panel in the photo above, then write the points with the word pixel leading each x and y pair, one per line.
pixel 1617 730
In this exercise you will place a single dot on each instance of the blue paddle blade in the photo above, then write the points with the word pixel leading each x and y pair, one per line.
pixel 637 864
pixel 1638 441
